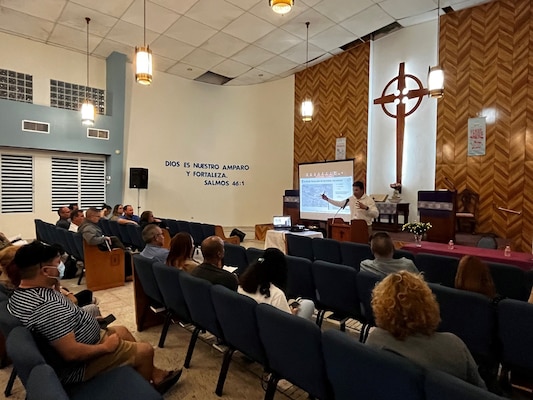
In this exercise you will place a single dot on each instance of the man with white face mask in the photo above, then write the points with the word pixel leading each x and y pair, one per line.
pixel 76 336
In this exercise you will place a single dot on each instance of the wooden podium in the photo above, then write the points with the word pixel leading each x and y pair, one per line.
pixel 356 231
pixel 438 208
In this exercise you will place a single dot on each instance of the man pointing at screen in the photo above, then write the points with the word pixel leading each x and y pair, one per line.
pixel 361 205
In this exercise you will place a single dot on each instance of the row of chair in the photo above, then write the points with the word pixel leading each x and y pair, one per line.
pixel 326 365
pixel 510 281
pixel 198 231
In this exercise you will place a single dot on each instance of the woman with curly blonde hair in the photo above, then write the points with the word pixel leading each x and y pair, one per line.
pixel 407 316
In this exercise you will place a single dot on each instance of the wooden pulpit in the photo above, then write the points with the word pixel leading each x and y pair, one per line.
pixel 356 231
pixel 438 208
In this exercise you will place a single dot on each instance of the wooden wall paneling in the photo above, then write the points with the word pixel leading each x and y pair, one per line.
pixel 339 90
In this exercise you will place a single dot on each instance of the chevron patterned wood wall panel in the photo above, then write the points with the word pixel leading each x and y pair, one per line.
pixel 487 56
pixel 338 88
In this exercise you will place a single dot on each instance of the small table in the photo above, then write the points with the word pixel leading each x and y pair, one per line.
pixel 392 211
pixel 277 238
pixel 521 260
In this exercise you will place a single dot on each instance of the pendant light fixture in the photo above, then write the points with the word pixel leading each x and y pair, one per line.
pixel 281 6
pixel 307 104
pixel 87 108
pixel 143 59
pixel 436 74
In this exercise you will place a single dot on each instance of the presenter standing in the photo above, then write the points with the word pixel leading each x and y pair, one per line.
pixel 361 205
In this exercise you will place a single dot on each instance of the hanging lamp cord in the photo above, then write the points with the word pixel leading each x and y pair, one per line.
pixel 87 86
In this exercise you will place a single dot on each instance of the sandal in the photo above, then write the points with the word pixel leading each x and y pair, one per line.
pixel 168 381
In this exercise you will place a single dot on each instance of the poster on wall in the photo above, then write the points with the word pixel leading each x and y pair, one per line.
pixel 340 149
pixel 477 135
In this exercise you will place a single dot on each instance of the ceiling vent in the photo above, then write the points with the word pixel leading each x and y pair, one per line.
pixel 213 78
pixel 35 126
pixel 98 133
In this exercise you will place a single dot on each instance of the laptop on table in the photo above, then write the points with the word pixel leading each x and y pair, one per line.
pixel 282 223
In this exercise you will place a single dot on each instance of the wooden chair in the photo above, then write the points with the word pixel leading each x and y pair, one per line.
pixel 103 269
pixel 219 231
pixel 467 205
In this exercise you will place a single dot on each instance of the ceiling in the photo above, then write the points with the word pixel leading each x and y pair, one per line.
pixel 239 39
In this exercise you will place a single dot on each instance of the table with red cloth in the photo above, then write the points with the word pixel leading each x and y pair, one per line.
pixel 519 259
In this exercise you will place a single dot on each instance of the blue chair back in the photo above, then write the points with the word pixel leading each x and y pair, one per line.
pixel 468 315
pixel 366 281
pixel 300 281
pixel 441 386
pixel 23 351
pixel 135 235
pixel 353 253
pixel 327 250
pixel 172 225
pixel 114 227
pixel 294 349
pixel 515 329
pixel 208 230
pixel 235 256
pixel 106 229
pixel 168 281
pixel 43 384
pixel 336 288
pixel 352 369
pixel 437 269
pixel 252 254
pixel 78 242
pixel 196 232
pixel 197 294
pixel 510 281
pixel 125 235
pixel 300 246
pixel 236 315
pixel 145 272
pixel 185 226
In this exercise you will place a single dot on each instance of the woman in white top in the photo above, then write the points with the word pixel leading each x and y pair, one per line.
pixel 265 282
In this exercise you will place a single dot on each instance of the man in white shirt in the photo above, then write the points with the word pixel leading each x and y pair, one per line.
pixel 361 205
pixel 76 219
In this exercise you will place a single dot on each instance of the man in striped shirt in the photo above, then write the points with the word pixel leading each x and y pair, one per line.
pixel 75 335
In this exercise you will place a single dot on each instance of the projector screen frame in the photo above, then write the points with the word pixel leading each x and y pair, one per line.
pixel 336 179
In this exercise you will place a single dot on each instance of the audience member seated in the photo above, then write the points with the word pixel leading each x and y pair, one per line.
pixel 64 214
pixel 76 219
pixel 263 280
pixel 106 211
pixel 154 239
pixel 76 336
pixel 474 275
pixel 128 217
pixel 118 210
pixel 211 268
pixel 82 299
pixel 181 252
pixel 93 235
pixel 383 263
pixel 407 316
pixel 147 217
pixel 73 206
pixel 4 241
pixel 7 255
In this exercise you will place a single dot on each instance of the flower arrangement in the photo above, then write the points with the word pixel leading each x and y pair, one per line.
pixel 417 228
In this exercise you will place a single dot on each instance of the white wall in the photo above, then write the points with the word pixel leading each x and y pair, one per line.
pixel 46 62
pixel 416 46
pixel 185 121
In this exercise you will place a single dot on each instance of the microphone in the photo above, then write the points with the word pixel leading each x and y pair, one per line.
pixel 341 208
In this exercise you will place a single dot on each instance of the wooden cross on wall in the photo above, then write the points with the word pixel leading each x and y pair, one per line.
pixel 400 97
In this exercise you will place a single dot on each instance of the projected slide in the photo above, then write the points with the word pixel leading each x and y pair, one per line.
pixel 333 178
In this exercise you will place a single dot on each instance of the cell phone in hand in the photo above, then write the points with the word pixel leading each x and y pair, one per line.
pixel 104 322
pixel 294 304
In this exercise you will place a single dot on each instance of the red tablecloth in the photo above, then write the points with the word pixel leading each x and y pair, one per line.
pixel 521 260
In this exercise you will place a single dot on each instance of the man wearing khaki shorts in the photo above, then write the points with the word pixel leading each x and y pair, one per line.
pixel 74 334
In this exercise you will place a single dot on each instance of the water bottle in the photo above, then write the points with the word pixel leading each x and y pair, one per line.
pixel 507 251
pixel 451 245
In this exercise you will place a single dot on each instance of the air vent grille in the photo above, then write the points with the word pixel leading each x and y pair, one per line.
pixel 35 126
pixel 98 133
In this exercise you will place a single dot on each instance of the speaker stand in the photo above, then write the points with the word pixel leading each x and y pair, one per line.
pixel 138 201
